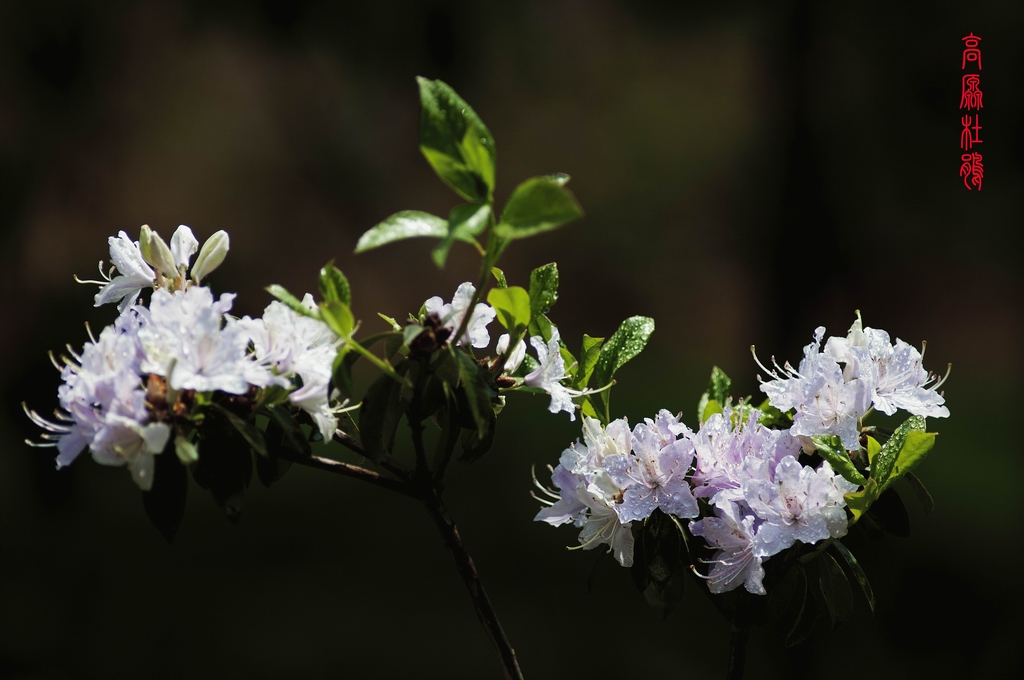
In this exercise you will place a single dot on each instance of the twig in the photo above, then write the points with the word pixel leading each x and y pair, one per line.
pixel 484 610
pixel 349 470
pixel 737 650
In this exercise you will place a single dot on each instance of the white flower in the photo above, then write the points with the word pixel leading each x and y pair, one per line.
pixel 825 401
pixel 189 341
pixel 738 560
pixel 894 372
pixel 135 273
pixel 515 359
pixel 452 314
pixel 798 504
pixel 549 374
pixel 104 405
pixel 291 345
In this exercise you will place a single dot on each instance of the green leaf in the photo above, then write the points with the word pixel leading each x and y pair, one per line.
pixel 185 450
pixel 455 141
pixel 771 416
pixel 835 588
pixel 883 464
pixel 334 285
pixel 473 445
pixel 341 371
pixel 400 226
pixel 628 341
pixel 499 277
pixel 859 501
pixel 915 447
pixel 589 353
pixel 831 449
pixel 478 394
pixel 291 301
pixel 543 289
pixel 512 305
pixel 890 514
pixel 915 483
pixel 250 433
pixel 225 468
pixel 710 408
pixel 537 205
pixel 702 405
pixel 719 385
pixel 541 326
pixel 338 317
pixel 165 500
pixel 287 431
pixel 873 448
pixel 858 573
pixel 464 223
pixel 380 414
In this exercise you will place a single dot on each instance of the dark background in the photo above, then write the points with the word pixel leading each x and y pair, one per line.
pixel 749 172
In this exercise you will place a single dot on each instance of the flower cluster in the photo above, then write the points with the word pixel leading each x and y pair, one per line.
pixel 757 495
pixel 830 399
pixel 133 387
pixel 549 370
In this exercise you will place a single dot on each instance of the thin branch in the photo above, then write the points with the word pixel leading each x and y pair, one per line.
pixel 484 610
pixel 737 651
pixel 349 442
pixel 356 472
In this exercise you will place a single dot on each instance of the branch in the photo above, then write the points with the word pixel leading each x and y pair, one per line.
pixel 349 470
pixel 349 442
pixel 737 650
pixel 484 610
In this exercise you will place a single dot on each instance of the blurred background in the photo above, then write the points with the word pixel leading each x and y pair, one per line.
pixel 749 171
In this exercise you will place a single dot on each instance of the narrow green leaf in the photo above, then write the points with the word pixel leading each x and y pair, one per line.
pixel 455 141
pixel 464 223
pixel 537 205
pixel 711 408
pixel 250 433
pixel 859 501
pixel 334 285
pixel 400 226
pixel 292 302
pixel 395 326
pixel 719 385
pixel 288 432
pixel 915 447
pixel 411 332
pixel 473 445
pixel 835 588
pixel 541 327
pixel 858 573
pixel 380 414
pixel 589 353
pixel 831 449
pixel 338 317
pixel 921 491
pixel 883 464
pixel 512 305
pixel 478 394
pixel 873 448
pixel 628 341
pixel 499 276
pixel 771 416
pixel 165 500
pixel 543 289
pixel 185 450
pixel 702 405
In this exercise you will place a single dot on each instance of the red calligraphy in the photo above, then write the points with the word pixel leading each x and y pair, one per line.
pixel 972 53
pixel 972 170
pixel 970 92
pixel 967 140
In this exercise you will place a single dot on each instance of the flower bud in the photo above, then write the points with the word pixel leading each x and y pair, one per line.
pixel 155 252
pixel 213 253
